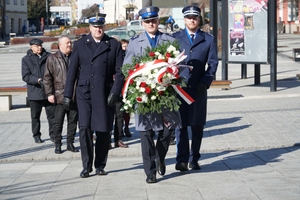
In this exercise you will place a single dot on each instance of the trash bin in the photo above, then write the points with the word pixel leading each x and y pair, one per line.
pixel 296 54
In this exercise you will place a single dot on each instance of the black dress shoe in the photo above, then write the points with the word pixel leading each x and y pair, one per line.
pixel 38 139
pixel 181 166
pixel 57 149
pixel 127 132
pixel 151 178
pixel 161 167
pixel 70 147
pixel 194 165
pixel 85 173
pixel 100 171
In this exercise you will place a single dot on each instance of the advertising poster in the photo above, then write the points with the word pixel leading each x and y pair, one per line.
pixel 239 21
pixel 248 25
pixel 237 6
pixel 237 44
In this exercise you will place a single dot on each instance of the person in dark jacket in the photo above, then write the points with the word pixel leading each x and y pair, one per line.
pixel 55 76
pixel 200 49
pixel 33 65
pixel 95 59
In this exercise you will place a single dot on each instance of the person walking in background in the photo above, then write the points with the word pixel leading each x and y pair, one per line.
pixel 119 115
pixel 150 122
pixel 95 60
pixel 171 21
pixel 55 76
pixel 33 65
pixel 200 49
pixel 126 115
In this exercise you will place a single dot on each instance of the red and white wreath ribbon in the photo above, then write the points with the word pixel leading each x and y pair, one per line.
pixel 172 62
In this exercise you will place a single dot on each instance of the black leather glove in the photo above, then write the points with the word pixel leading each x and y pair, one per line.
pixel 112 99
pixel 201 87
pixel 68 103
pixel 42 84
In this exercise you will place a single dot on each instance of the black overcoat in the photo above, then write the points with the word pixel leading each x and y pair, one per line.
pixel 94 67
pixel 201 52
pixel 33 69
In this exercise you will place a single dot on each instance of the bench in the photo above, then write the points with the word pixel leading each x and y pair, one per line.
pixel 224 84
pixel 6 96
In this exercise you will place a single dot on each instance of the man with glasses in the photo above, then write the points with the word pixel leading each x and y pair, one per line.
pixel 95 60
pixel 200 49
pixel 33 65
pixel 150 122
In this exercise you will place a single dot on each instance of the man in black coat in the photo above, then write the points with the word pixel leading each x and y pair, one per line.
pixel 95 59
pixel 33 65
pixel 200 50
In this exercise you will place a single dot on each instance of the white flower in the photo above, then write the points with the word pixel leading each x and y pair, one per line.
pixel 142 89
pixel 127 102
pixel 157 53
pixel 171 48
pixel 147 72
pixel 125 107
pixel 124 100
pixel 144 98
pixel 130 105
pixel 161 88
pixel 156 70
pixel 161 57
pixel 153 85
pixel 153 97
pixel 176 53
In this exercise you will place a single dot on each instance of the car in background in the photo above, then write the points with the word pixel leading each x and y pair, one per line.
pixel 132 29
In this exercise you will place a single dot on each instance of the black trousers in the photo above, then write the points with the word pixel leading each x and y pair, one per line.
pixel 150 151
pixel 119 121
pixel 36 107
pixel 87 148
pixel 59 116
pixel 182 141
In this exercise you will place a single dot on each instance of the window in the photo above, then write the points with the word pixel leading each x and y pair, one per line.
pixel 15 2
pixel 22 2
pixel 130 13
pixel 7 1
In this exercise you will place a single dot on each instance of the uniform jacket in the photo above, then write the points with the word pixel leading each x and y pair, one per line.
pixel 55 76
pixel 137 46
pixel 32 70
pixel 201 52
pixel 95 68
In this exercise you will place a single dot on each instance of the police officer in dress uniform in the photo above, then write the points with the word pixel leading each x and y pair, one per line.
pixel 150 122
pixel 96 57
pixel 200 49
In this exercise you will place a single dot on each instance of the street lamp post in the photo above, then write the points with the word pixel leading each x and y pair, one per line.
pixel 47 11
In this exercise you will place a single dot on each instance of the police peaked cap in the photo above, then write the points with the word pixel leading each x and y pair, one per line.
pixel 150 12
pixel 35 41
pixel 97 20
pixel 191 11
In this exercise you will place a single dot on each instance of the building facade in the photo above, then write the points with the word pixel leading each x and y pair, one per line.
pixel 288 16
pixel 15 16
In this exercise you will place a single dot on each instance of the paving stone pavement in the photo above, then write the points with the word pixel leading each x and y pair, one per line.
pixel 250 149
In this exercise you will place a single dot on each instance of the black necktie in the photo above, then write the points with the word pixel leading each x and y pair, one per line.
pixel 192 38
pixel 97 44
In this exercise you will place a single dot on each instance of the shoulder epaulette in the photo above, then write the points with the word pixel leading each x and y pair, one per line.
pixel 133 38
pixel 80 37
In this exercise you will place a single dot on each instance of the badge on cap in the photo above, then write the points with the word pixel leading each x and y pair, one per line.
pixel 148 9
pixel 192 8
